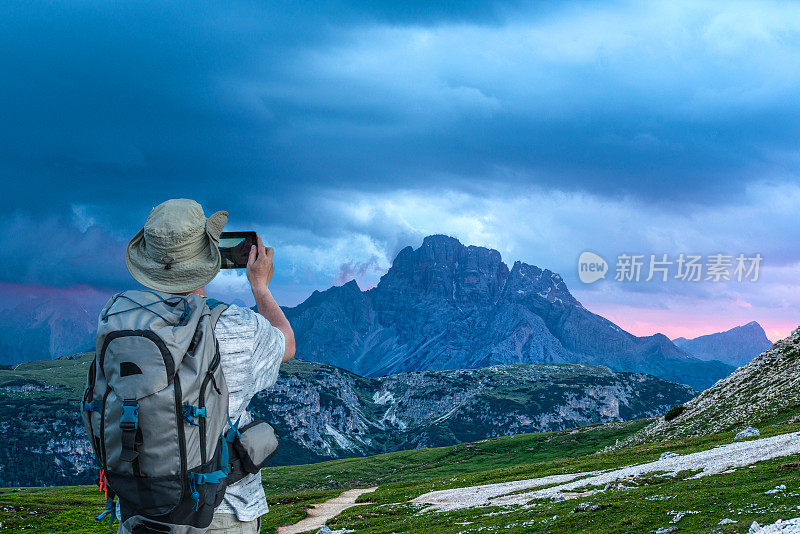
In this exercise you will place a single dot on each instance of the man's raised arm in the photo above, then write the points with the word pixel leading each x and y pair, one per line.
pixel 259 274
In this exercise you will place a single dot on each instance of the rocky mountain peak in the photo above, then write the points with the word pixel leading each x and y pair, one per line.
pixel 334 292
pixel 444 305
pixel 442 267
pixel 754 327
pixel 352 285
pixel 441 242
pixel 736 346
pixel 528 280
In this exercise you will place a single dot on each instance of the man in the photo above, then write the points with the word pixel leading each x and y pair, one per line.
pixel 177 252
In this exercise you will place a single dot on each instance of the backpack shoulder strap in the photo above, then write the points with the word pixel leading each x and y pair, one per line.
pixel 217 307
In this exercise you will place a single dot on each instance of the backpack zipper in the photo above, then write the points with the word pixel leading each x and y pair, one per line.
pixel 202 403
pixel 181 435
pixel 103 427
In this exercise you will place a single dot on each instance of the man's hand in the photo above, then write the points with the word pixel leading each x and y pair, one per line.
pixel 260 266
pixel 259 274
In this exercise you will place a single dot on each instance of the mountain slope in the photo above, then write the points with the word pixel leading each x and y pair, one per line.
pixel 736 346
pixel 448 306
pixel 765 391
pixel 46 327
pixel 324 412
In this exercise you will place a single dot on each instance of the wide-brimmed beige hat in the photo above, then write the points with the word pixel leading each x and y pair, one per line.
pixel 177 251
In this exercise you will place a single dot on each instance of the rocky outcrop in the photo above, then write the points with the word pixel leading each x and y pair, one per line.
pixel 766 390
pixel 323 412
pixel 330 412
pixel 449 306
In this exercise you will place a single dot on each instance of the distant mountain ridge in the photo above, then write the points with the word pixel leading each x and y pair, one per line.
pixel 323 412
pixel 440 306
pixel 736 346
pixel 449 306
pixel 46 327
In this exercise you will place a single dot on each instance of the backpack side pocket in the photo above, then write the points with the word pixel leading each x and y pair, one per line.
pixel 254 446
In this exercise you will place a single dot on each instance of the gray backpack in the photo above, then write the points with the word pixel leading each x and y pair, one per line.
pixel 156 412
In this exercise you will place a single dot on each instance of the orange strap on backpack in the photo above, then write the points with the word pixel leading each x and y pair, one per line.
pixel 103 482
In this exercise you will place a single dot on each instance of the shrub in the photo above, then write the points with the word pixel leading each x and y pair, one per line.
pixel 673 413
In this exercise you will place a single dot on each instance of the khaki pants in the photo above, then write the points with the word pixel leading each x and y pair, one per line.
pixel 228 524
pixel 223 524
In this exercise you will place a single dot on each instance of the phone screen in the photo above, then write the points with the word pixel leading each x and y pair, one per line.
pixel 235 248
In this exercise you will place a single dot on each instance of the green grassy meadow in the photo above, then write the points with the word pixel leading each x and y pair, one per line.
pixel 641 505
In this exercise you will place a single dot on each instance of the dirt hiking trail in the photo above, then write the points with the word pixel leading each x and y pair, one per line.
pixel 320 513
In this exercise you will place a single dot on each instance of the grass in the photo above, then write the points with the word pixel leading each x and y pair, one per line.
pixel 66 373
pixel 652 505
pixel 485 455
pixel 52 510
pixel 645 504
pixel 72 509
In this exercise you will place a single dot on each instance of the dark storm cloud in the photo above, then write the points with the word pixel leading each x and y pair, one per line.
pixel 153 100
pixel 278 112
pixel 161 98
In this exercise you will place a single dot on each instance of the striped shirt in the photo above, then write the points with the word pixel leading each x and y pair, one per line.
pixel 251 350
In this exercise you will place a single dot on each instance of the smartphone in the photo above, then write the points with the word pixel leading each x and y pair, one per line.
pixel 235 248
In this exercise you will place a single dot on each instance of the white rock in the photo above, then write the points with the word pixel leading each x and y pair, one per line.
pixel 708 462
pixel 791 526
pixel 748 432
pixel 727 521
pixel 667 455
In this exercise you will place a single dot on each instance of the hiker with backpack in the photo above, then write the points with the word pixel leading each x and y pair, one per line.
pixel 166 397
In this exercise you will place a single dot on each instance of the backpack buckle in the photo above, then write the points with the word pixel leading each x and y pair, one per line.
pixel 190 412
pixel 129 420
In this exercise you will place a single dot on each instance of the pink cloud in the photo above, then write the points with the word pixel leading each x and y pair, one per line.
pixel 365 273
pixel 691 323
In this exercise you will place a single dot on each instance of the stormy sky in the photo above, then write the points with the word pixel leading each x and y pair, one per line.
pixel 344 131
